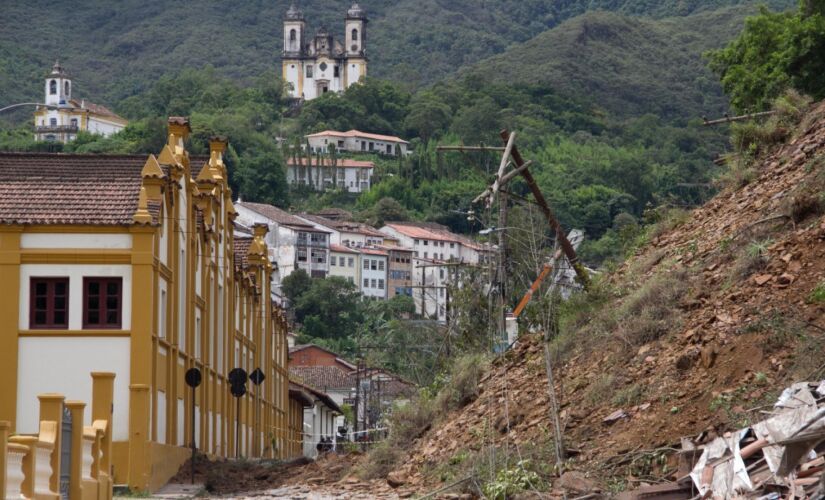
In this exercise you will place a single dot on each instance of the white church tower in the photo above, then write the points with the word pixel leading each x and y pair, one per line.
pixel 322 64
pixel 58 87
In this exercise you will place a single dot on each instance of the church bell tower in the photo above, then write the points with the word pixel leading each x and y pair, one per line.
pixel 58 87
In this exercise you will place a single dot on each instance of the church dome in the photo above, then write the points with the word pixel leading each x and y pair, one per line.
pixel 294 13
pixel 356 12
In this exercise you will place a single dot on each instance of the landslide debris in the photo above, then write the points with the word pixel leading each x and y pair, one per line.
pixel 697 332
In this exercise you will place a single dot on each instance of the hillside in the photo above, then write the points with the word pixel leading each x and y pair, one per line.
pixel 116 51
pixel 625 65
pixel 708 322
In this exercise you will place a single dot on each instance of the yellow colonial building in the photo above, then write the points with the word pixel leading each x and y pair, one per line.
pixel 130 265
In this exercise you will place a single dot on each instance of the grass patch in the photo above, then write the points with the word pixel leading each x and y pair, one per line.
pixel 817 295
pixel 461 386
pixel 600 389
pixel 629 396
pixel 652 310
pixel 753 258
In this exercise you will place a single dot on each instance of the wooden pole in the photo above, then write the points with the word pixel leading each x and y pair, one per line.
pixel 564 243
pixel 729 119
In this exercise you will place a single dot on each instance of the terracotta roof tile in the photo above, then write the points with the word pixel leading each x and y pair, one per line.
pixel 54 188
pixel 323 378
pixel 275 214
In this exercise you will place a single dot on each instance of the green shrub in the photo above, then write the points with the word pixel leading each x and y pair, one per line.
pixel 509 482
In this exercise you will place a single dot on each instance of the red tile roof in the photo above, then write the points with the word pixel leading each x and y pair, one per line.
pixel 324 378
pixel 94 108
pixel 373 251
pixel 327 162
pixel 344 226
pixel 423 232
pixel 357 134
pixel 342 248
pixel 55 188
pixel 275 214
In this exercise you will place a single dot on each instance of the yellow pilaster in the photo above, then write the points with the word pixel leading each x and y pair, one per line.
pixel 139 466
pixel 51 408
pixel 103 391
pixel 10 277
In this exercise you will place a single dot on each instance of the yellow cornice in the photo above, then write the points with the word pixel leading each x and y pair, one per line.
pixel 75 256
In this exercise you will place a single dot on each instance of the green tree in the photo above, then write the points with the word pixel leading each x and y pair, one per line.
pixel 296 284
pixel 774 52
pixel 263 179
pixel 330 308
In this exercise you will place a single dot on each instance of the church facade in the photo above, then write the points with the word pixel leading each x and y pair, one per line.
pixel 320 64
pixel 63 117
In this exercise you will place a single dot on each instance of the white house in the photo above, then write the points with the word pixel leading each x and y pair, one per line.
pixel 347 233
pixel 350 175
pixel 355 141
pixel 345 262
pixel 63 117
pixel 293 243
pixel 321 414
pixel 434 248
pixel 374 273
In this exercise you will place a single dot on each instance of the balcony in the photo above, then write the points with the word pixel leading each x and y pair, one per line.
pixel 56 129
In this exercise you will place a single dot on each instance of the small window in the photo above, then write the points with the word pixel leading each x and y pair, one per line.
pixel 426 242
pixel 380 284
pixel 66 89
pixel 53 87
pixel 374 284
pixel 49 303
pixel 366 263
pixel 351 262
pixel 53 122
pixel 373 265
pixel 332 260
pixel 74 122
pixel 354 35
pixel 309 71
pixel 336 72
pixel 293 35
pixel 366 283
pixel 380 265
pixel 102 302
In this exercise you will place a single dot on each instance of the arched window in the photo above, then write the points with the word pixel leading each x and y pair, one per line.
pixel 66 88
pixel 293 35
pixel 53 122
pixel 53 87
pixel 354 35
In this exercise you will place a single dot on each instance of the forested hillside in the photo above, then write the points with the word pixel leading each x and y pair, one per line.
pixel 117 50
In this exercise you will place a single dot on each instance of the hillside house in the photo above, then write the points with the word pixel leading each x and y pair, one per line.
pixel 294 243
pixel 324 174
pixel 348 233
pixel 355 141
pixel 374 267
pixel 319 417
pixel 345 262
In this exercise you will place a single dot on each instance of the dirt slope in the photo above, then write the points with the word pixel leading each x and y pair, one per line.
pixel 743 323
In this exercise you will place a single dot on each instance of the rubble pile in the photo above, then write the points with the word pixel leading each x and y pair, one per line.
pixel 781 457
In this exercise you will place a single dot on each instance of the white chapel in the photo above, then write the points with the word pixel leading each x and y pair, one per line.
pixel 314 66
pixel 63 117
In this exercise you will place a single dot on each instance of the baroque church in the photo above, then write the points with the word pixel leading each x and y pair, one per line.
pixel 62 117
pixel 314 66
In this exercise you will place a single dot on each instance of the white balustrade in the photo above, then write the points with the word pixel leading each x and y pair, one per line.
pixel 88 458
pixel 14 470
pixel 43 469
